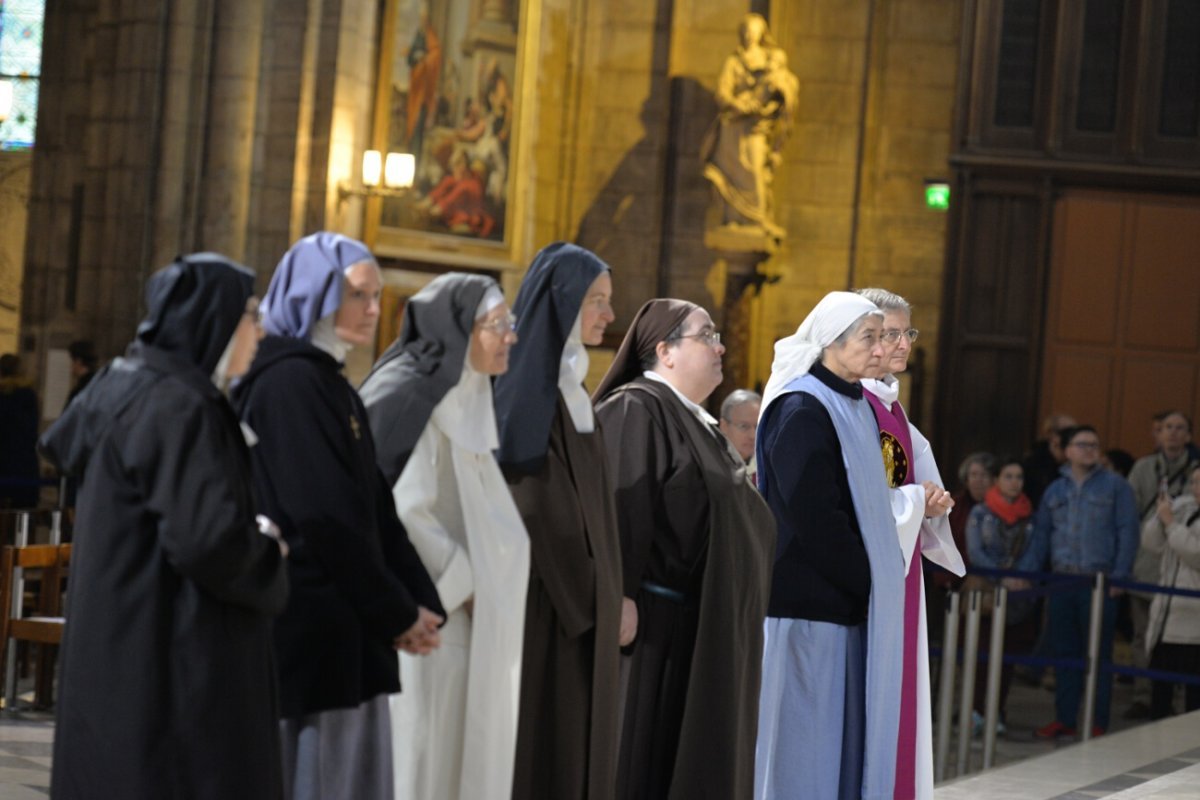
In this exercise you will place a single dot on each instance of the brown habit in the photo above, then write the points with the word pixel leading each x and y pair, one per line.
pixel 691 524
pixel 568 729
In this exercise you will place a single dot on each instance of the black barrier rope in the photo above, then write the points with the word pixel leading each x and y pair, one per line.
pixel 1081 665
pixel 5 481
pixel 1056 579
pixel 1055 582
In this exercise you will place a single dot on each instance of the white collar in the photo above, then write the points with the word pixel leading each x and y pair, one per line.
pixel 887 389
pixel 696 409
pixel 572 369
pixel 466 414
pixel 324 337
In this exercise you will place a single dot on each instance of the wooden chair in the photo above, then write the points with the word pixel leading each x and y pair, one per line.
pixel 45 627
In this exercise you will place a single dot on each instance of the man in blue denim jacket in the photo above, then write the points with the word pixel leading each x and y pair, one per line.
pixel 1087 522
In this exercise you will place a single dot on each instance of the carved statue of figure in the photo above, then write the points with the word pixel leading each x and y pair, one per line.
pixel 757 96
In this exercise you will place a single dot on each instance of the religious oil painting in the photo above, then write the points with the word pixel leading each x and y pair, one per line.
pixel 448 72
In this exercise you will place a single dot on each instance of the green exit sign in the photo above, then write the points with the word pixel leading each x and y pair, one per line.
pixel 937 196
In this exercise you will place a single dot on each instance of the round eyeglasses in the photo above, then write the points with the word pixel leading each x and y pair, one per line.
pixel 500 325
pixel 710 338
pixel 893 336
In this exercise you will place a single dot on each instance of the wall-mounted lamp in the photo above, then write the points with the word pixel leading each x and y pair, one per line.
pixel 396 174
pixel 6 99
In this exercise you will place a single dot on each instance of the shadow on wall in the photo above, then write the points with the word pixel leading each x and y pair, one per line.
pixel 647 220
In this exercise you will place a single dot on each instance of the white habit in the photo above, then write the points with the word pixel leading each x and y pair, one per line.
pixel 454 725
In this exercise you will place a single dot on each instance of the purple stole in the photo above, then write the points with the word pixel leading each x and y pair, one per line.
pixel 895 439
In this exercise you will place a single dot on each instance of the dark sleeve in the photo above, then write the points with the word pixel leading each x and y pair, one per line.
pixel 306 462
pixel 1128 527
pixel 804 462
pixel 638 460
pixel 184 457
pixel 550 507
pixel 1034 559
pixel 401 555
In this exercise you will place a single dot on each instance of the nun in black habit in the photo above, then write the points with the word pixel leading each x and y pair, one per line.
pixel 552 453
pixel 359 590
pixel 167 685
pixel 430 401
pixel 697 543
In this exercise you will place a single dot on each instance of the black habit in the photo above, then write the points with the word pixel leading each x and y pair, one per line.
pixel 570 680
pixel 821 569
pixel 356 579
pixel 167 686
pixel 697 544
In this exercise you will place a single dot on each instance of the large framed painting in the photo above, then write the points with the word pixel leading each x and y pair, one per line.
pixel 447 94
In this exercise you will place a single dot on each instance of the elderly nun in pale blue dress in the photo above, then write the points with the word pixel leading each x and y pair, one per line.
pixel 830 702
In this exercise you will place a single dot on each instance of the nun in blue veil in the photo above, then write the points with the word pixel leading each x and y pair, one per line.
pixel 359 590
pixel 430 403
pixel 553 455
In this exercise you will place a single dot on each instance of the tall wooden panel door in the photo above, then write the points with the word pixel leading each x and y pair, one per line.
pixel 1122 335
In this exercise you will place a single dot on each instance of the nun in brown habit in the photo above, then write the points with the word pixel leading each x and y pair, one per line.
pixel 554 459
pixel 697 544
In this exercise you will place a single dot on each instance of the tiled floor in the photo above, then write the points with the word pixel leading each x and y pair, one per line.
pixel 1158 761
pixel 25 744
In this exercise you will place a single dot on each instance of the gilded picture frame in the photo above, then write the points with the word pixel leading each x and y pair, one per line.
pixel 447 92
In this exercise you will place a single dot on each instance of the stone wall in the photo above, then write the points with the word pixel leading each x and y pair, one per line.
pixel 184 125
pixel 623 101
pixel 14 194
pixel 175 126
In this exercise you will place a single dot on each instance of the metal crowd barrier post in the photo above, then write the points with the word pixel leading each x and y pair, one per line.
pixel 995 664
pixel 1095 624
pixel 970 656
pixel 18 599
pixel 946 684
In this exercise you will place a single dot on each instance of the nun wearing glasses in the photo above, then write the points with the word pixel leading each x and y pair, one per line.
pixel 696 548
pixel 552 453
pixel 429 399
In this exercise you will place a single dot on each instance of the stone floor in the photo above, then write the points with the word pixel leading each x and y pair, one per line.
pixel 1128 754
pixel 25 745
pixel 1153 761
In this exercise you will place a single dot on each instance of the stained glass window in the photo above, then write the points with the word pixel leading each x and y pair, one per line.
pixel 21 66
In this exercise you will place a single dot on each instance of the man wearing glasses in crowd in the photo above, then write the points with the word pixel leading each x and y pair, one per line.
pixel 739 422
pixel 1087 522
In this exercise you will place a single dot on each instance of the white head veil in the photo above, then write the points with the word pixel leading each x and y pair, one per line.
pixel 795 354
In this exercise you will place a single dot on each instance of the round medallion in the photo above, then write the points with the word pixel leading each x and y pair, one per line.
pixel 895 460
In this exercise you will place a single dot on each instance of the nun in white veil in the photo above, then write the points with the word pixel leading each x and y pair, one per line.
pixel 429 399
pixel 830 702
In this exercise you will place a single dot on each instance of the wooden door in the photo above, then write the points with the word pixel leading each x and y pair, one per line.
pixel 1122 337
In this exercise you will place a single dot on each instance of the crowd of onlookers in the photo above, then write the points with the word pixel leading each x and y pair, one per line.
pixel 1070 508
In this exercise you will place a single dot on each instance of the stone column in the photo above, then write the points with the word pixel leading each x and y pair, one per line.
pixel 742 284
pixel 236 57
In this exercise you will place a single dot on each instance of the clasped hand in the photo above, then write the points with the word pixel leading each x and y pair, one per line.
pixel 938 501
pixel 1165 513
pixel 423 637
